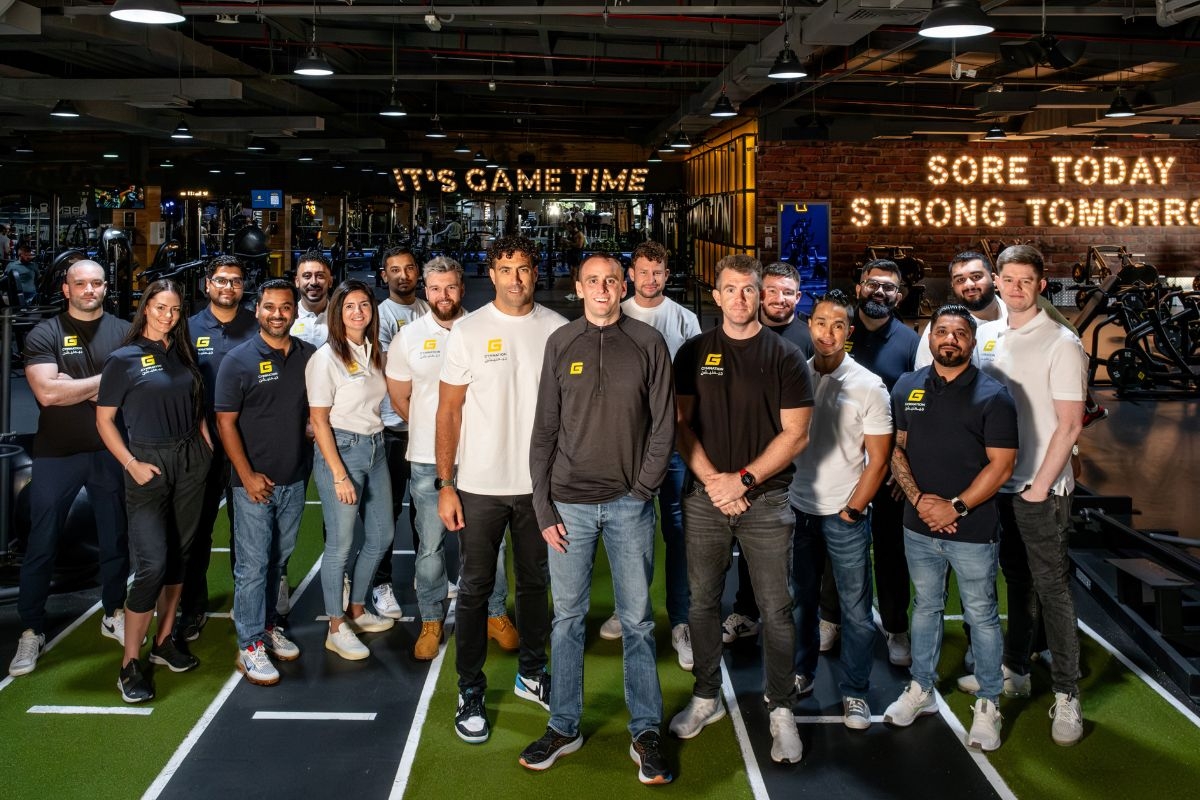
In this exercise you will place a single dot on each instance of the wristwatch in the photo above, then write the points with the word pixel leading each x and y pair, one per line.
pixel 853 513
pixel 444 483
pixel 960 507
pixel 748 480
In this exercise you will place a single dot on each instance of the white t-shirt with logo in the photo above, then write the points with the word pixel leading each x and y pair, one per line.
pixel 676 323
pixel 351 393
pixel 392 317
pixel 310 326
pixel 499 358
pixel 416 355
pixel 925 356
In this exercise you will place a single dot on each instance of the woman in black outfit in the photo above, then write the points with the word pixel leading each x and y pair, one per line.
pixel 154 382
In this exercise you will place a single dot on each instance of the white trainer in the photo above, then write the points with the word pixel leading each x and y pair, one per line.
pixel 384 599
pixel 1067 728
pixel 367 622
pixel 829 635
pixel 346 644
pixel 283 601
pixel 985 727
pixel 698 713
pixel 681 640
pixel 899 649
pixel 737 626
pixel 29 647
pixel 279 645
pixel 254 663
pixel 785 739
pixel 114 627
pixel 611 629
pixel 913 702
pixel 1014 685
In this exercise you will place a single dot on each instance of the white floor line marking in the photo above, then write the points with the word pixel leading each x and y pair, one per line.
pixel 342 716
pixel 753 774
pixel 421 713
pixel 404 552
pixel 1136 670
pixel 219 550
pixel 960 617
pixel 65 632
pixel 120 710
pixel 185 748
pixel 219 615
pixel 325 618
pixel 312 502
pixel 828 719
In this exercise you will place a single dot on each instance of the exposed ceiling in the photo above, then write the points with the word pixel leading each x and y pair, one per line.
pixel 563 79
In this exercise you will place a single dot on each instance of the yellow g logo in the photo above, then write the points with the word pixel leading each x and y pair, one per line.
pixel 576 367
pixel 265 368
pixel 916 395
pixel 147 361
pixel 848 346
pixel 712 360
pixel 495 345
pixel 990 346
pixel 202 341
pixel 430 344
pixel 353 368
pixel 70 341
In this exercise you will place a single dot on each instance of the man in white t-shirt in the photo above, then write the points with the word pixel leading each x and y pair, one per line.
pixel 850 442
pixel 648 273
pixel 314 279
pixel 1045 369
pixel 486 406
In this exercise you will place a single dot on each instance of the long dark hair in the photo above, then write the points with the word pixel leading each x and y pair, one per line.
pixel 180 337
pixel 337 328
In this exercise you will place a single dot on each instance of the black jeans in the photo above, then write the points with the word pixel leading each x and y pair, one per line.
pixel 163 515
pixel 486 518
pixel 194 599
pixel 395 447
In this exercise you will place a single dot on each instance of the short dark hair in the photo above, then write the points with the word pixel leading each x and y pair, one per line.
pixel 276 284
pixel 215 264
pixel 1021 254
pixel 967 255
pixel 315 255
pixel 740 263
pixel 507 246
pixel 884 265
pixel 954 310
pixel 392 252
pixel 781 269
pixel 651 251
pixel 838 298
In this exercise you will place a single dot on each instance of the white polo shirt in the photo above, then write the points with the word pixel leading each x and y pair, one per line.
pixel 351 393
pixel 310 326
pixel 676 323
pixel 925 357
pixel 499 358
pixel 416 355
pixel 392 317
pixel 849 403
pixel 1040 362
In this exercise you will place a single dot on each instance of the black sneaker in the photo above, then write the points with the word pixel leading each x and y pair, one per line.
pixel 534 688
pixel 135 685
pixel 189 626
pixel 545 751
pixel 470 722
pixel 652 767
pixel 173 655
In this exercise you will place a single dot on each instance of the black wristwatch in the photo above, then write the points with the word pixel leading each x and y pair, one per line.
pixel 748 480
pixel 853 513
pixel 444 483
pixel 960 507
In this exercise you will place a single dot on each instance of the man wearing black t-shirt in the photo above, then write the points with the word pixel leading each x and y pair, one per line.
pixel 956 443
pixel 63 359
pixel 743 400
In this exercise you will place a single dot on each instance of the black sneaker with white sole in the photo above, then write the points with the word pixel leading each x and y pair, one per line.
pixel 534 688
pixel 174 656
pixel 647 753
pixel 545 751
pixel 470 721
pixel 189 626
pixel 135 685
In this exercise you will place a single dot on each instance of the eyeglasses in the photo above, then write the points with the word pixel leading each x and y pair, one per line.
pixel 225 283
pixel 875 286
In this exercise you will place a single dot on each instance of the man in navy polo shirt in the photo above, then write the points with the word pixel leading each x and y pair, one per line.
pixel 956 444
pixel 262 410
pixel 219 327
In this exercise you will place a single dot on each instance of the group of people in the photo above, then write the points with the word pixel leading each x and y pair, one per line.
pixel 805 441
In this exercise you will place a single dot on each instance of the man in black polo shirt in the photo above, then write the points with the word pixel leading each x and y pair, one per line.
pixel 262 410
pixel 63 359
pixel 744 400
pixel 218 328
pixel 956 443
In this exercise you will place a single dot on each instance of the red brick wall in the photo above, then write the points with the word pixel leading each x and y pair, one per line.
pixel 836 173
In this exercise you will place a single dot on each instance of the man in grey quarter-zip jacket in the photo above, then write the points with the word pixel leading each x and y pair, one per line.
pixel 603 435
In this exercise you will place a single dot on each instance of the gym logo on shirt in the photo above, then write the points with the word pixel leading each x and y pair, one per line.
pixel 712 366
pixel 915 400
pixel 147 361
pixel 576 367
pixel 71 346
pixel 430 344
pixel 149 365
pixel 990 346
pixel 495 345
pixel 266 372
pixel 204 346
pixel 202 341
pixel 848 346
pixel 70 341
pixel 495 352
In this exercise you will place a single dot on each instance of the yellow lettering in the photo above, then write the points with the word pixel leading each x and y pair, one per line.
pixel 1035 205
pixel 993 167
pixel 1164 167
pixel 1147 210
pixel 476 180
pixel 860 212
pixel 966 212
pixel 956 169
pixel 1123 217
pixel 446 179
pixel 1091 215
pixel 938 212
pixel 501 177
pixel 1061 212
pixel 1114 170
pixel 885 209
pixel 414 175
pixel 1141 171
pixel 533 181
pixel 1174 209
pixel 1060 167
pixel 1016 170
pixel 637 179
pixel 612 182
pixel 1087 170
pixel 910 207
pixel 937 170
pixel 552 179
pixel 580 174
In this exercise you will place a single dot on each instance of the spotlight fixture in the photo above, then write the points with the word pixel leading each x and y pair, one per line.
pixel 339 165
pixel 367 168
pixel 654 158
pixel 256 145
pixel 1120 107
pixel 306 155
pixel 147 12
pixel 492 85
pixel 956 19
pixel 681 141
pixel 239 172
pixel 313 64
pixel 23 146
pixel 381 172
pixel 994 134
pixel 432 22
pixel 394 108
pixel 787 66
pixel 436 131
pixel 214 170
pixel 65 109
pixel 167 164
pixel 491 164
pixel 182 131
pixel 723 108
pixel 1099 143
pixel 479 158
pixel 461 147
pixel 665 147
pixel 997 87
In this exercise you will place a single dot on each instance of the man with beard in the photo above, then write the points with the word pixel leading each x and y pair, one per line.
pixel 414 364
pixel 218 328
pixel 314 279
pixel 63 359
pixel 262 411
pixel 956 444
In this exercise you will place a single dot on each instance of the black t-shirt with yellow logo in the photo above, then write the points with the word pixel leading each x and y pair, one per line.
pixel 154 389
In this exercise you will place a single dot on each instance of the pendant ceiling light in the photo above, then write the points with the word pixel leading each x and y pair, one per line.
pixel 393 107
pixel 1099 143
pixel 654 158
pixel 147 12
pixel 665 147
pixel 1120 107
pixel 461 147
pixel 436 131
pixel 956 19
pixel 182 131
pixel 723 108
pixel 65 109
pixel 681 141
pixel 23 146
pixel 313 64
pixel 994 134
pixel 786 67
pixel 480 158
pixel 167 164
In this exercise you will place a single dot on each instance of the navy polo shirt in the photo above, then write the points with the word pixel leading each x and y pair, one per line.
pixel 213 340
pixel 266 389
pixel 155 390
pixel 949 427
pixel 889 352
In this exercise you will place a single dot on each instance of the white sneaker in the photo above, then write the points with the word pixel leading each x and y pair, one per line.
pixel 1014 685
pixel 1067 728
pixel 345 592
pixel 737 626
pixel 856 714
pixel 698 713
pixel 346 644
pixel 681 640
pixel 279 645
pixel 785 739
pixel 385 602
pixel 899 649
pixel 611 629
pixel 283 602
pixel 114 627
pixel 913 702
pixel 985 727
pixel 829 635
pixel 254 663
pixel 29 647
pixel 367 622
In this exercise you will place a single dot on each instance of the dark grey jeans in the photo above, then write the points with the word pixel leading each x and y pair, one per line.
pixel 765 536
pixel 1033 557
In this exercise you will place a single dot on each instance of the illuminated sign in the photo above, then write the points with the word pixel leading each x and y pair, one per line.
pixel 540 180
pixel 1001 174
pixel 193 193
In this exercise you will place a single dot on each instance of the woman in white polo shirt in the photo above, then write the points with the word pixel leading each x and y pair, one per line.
pixel 346 384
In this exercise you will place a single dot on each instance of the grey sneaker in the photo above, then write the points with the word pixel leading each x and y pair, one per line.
pixel 829 635
pixel 785 739
pixel 1067 728
pixel 611 629
pixel 29 647
pixel 899 649
pixel 738 626
pixel 913 702
pixel 279 645
pixel 283 601
pixel 681 640
pixel 985 727
pixel 856 714
pixel 698 713
pixel 1014 685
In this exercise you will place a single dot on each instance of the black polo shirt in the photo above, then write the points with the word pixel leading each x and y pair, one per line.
pixel 266 389
pixel 797 333
pixel 155 390
pixel 214 339
pixel 949 427
pixel 740 386
pixel 889 352
pixel 78 348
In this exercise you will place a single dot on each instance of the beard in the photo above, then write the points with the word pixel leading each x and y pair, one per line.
pixel 875 310
pixel 445 316
pixel 951 361
pixel 983 301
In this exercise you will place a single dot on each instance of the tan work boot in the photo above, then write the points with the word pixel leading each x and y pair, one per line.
pixel 426 648
pixel 504 632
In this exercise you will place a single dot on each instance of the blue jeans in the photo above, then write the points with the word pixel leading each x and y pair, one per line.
pixel 366 465
pixel 765 536
pixel 431 551
pixel 266 535
pixel 975 567
pixel 627 527
pixel 848 545
pixel 670 510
